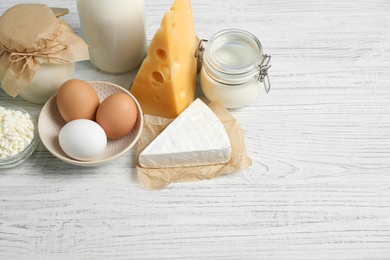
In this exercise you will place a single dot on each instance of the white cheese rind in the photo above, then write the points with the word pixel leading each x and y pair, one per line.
pixel 196 137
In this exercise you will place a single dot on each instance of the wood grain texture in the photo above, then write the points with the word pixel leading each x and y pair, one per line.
pixel 319 187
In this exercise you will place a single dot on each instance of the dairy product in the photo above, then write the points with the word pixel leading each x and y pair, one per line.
pixel 233 96
pixel 234 68
pixel 195 137
pixel 165 84
pixel 16 132
pixel 38 52
pixel 47 81
pixel 115 31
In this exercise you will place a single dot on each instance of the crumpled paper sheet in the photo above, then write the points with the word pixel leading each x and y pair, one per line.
pixel 31 34
pixel 159 178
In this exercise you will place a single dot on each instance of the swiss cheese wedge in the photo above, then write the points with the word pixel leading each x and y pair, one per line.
pixel 166 81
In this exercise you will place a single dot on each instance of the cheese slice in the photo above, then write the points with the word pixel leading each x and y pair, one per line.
pixel 196 137
pixel 166 81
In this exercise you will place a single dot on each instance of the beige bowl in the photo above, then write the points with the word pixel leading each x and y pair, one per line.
pixel 50 123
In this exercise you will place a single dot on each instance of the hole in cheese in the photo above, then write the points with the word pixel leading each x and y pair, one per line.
pixel 166 71
pixel 161 54
pixel 157 98
pixel 157 76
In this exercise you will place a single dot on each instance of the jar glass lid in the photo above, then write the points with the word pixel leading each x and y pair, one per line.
pixel 234 52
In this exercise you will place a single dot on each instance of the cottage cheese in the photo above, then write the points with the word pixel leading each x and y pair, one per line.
pixel 16 132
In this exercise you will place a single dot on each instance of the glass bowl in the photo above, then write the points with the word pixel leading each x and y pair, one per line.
pixel 15 160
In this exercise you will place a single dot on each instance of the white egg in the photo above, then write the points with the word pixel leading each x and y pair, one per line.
pixel 82 139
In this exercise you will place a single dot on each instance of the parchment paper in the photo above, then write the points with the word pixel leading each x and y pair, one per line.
pixel 160 178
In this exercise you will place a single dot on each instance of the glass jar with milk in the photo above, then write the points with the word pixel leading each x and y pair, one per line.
pixel 115 32
pixel 234 68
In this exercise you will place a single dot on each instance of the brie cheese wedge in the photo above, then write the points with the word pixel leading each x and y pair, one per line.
pixel 196 137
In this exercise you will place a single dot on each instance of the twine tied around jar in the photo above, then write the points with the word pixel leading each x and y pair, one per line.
pixel 49 52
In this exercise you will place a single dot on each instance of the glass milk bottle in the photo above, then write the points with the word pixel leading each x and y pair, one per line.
pixel 115 32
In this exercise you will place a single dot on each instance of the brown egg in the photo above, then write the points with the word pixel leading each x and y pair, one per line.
pixel 117 115
pixel 76 99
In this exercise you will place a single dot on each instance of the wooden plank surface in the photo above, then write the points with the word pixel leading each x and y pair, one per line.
pixel 319 186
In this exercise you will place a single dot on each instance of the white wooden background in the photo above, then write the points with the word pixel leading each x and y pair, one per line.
pixel 319 187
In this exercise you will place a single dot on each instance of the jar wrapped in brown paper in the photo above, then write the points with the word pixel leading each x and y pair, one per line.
pixel 33 39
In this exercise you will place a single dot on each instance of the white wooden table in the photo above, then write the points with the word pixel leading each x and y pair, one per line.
pixel 319 186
